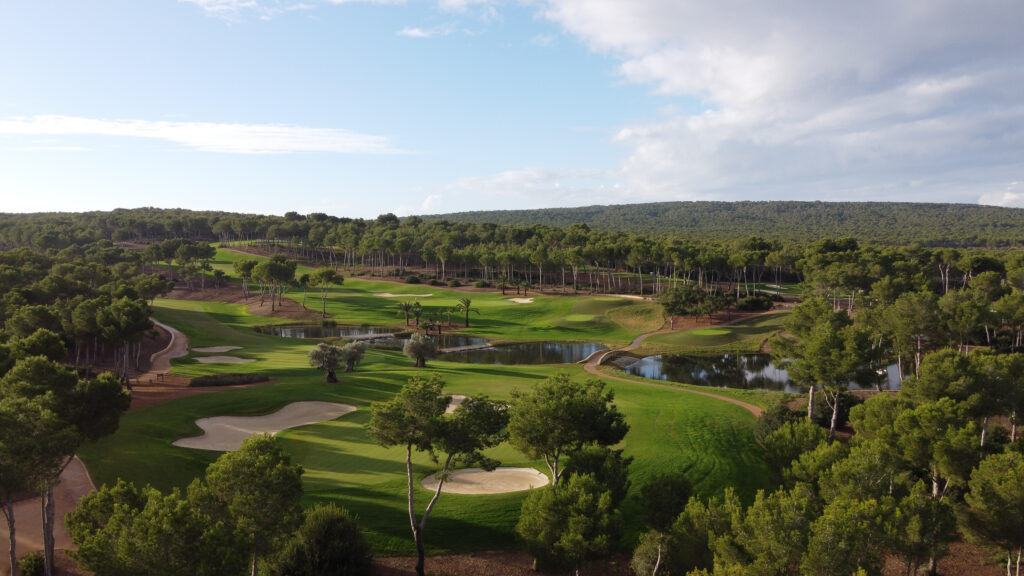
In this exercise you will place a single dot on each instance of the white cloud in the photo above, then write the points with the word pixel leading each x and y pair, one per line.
pixel 55 149
pixel 822 97
pixel 430 203
pixel 535 188
pixel 1011 196
pixel 410 32
pixel 207 136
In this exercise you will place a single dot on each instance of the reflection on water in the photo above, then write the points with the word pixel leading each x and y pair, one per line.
pixel 528 353
pixel 748 371
pixel 317 331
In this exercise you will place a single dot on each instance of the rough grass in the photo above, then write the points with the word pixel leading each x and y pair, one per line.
pixel 746 336
pixel 711 441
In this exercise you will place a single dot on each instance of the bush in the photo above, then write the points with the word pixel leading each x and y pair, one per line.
pixel 412 279
pixel 31 564
pixel 435 282
pixel 663 499
pixel 754 303
pixel 453 283
pixel 329 543
pixel 326 323
pixel 482 284
pixel 227 380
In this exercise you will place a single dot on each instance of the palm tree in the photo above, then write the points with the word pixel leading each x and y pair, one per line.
pixel 416 311
pixel 406 308
pixel 465 305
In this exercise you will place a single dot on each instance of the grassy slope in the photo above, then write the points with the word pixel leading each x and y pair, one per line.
pixel 746 336
pixel 708 439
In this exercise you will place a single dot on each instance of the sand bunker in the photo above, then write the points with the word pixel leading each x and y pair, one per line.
pixel 455 403
pixel 223 360
pixel 223 433
pixel 478 481
pixel 210 349
pixel 520 300
pixel 390 295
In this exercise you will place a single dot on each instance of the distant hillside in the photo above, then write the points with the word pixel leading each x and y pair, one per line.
pixel 876 222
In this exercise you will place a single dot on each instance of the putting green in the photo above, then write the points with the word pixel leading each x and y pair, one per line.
pixel 710 331
pixel 579 317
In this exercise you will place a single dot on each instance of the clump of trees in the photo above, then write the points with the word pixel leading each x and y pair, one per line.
pixel 420 348
pixel 415 419
pixel 246 509
pixel 571 521
pixel 329 358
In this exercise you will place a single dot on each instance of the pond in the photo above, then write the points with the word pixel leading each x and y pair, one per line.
pixel 747 371
pixel 527 353
pixel 317 331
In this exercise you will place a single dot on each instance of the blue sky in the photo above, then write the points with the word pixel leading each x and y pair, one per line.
pixel 356 108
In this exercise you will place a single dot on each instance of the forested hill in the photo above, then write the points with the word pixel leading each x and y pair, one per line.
pixel 872 222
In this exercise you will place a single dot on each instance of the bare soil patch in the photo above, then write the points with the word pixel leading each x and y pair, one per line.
pixel 232 294
pixel 225 433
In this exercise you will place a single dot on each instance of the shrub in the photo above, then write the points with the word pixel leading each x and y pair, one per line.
pixel 453 283
pixel 435 282
pixel 326 323
pixel 412 279
pixel 482 284
pixel 227 380
pixel 329 543
pixel 31 564
pixel 755 302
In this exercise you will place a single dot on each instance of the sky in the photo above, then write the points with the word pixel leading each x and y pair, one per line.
pixel 356 108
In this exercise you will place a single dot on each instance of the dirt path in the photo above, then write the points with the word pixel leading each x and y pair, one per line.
pixel 28 528
pixel 592 367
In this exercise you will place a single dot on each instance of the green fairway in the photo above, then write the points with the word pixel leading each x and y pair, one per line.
pixel 746 336
pixel 610 321
pixel 670 430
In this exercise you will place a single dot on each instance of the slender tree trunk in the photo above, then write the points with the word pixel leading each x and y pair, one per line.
pixel 255 563
pixel 810 403
pixel 657 563
pixel 835 417
pixel 48 521
pixel 9 514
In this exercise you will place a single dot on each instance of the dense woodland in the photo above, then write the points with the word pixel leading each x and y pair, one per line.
pixel 940 461
pixel 899 223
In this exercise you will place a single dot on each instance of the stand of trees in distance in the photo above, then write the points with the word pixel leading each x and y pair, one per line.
pixel 881 222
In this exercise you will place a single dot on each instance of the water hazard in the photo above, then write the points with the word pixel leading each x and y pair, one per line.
pixel 527 353
pixel 745 371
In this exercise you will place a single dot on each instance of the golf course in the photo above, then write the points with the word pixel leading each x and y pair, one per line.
pixel 670 429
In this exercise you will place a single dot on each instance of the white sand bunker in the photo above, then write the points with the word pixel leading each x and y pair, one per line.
pixel 223 433
pixel 214 349
pixel 478 481
pixel 455 403
pixel 390 295
pixel 520 300
pixel 223 360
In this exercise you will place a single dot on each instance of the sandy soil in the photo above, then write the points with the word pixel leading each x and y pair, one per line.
pixel 520 300
pixel 455 403
pixel 390 295
pixel 478 481
pixel 28 528
pixel 176 348
pixel 223 360
pixel 223 433
pixel 216 349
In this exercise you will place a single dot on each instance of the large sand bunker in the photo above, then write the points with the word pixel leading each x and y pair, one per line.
pixel 390 295
pixel 224 433
pixel 478 481
pixel 520 300
pixel 223 360
pixel 216 349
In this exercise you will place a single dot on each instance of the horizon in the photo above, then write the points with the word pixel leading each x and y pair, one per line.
pixel 357 108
